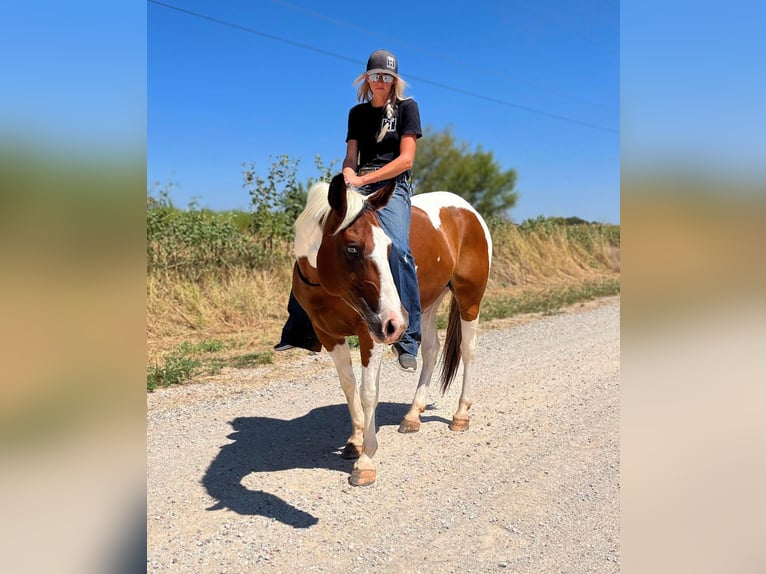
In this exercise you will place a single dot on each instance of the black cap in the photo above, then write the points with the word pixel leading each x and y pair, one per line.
pixel 383 62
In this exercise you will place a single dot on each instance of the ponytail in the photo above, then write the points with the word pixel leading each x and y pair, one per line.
pixel 389 111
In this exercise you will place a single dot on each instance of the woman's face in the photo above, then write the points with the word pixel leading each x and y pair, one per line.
pixel 381 84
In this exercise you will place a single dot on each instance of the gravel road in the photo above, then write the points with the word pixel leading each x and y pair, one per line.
pixel 244 472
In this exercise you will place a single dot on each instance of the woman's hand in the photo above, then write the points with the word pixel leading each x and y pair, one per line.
pixel 352 179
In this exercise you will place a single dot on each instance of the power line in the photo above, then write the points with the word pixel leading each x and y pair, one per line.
pixel 256 32
pixel 437 55
pixel 360 63
pixel 563 23
pixel 517 106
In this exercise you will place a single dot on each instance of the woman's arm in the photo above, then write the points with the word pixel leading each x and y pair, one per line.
pixel 350 163
pixel 407 147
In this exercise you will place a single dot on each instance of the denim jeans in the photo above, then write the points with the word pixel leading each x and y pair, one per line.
pixel 395 220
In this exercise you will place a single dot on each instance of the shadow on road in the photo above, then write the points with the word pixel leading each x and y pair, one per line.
pixel 266 445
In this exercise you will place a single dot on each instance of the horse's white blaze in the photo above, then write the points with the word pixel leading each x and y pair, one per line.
pixel 390 304
pixel 433 202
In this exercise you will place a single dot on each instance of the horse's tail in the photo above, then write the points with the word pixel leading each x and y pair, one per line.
pixel 451 352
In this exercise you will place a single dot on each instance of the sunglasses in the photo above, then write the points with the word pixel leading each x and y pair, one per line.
pixel 387 78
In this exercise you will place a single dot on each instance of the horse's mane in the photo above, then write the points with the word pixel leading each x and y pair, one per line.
pixel 310 223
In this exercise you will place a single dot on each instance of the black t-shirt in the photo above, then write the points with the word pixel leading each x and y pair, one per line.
pixel 364 125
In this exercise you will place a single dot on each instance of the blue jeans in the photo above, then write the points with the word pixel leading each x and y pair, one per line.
pixel 395 220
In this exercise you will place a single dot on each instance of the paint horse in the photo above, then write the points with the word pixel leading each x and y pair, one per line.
pixel 342 278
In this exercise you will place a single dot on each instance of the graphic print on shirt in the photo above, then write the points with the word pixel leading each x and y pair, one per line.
pixel 389 124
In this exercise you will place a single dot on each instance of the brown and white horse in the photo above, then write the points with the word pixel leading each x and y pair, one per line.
pixel 343 280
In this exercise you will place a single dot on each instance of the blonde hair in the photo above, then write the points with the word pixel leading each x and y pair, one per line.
pixel 364 94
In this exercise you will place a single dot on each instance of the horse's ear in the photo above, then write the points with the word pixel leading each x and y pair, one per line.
pixel 336 197
pixel 380 198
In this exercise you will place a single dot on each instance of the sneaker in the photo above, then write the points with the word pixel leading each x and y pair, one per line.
pixel 283 346
pixel 407 362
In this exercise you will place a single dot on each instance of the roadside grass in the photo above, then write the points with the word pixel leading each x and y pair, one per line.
pixel 175 369
pixel 547 301
pixel 188 361
pixel 252 360
pixel 198 325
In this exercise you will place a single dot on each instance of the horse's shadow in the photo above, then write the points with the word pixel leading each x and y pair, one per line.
pixel 264 444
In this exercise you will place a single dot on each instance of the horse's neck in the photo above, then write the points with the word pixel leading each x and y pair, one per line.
pixel 308 272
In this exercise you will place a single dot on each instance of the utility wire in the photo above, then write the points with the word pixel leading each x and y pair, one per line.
pixel 560 21
pixel 256 32
pixel 335 55
pixel 437 55
pixel 517 106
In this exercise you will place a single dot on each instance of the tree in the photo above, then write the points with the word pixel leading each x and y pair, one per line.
pixel 442 164
pixel 278 199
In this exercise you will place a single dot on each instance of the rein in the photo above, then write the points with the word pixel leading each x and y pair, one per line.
pixel 303 277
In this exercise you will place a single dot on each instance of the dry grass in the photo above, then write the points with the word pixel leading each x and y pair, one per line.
pixel 537 259
pixel 243 311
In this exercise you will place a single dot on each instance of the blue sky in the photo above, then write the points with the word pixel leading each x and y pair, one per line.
pixel 74 76
pixel 693 87
pixel 536 83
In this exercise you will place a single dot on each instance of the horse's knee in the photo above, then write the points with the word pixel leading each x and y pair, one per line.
pixel 369 399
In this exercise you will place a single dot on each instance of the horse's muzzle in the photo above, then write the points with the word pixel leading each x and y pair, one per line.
pixel 389 328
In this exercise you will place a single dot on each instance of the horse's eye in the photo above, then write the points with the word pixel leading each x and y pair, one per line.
pixel 352 250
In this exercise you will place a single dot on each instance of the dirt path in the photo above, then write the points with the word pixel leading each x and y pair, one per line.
pixel 244 473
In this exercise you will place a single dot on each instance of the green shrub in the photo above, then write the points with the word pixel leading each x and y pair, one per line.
pixel 193 242
pixel 175 370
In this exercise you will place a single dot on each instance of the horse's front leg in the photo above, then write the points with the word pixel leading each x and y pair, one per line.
pixel 341 355
pixel 364 469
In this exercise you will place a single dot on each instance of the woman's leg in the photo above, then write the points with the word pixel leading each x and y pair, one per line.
pixel 395 219
pixel 298 330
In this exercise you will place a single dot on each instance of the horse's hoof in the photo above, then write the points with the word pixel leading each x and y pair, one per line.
pixel 459 425
pixel 362 477
pixel 408 426
pixel 351 451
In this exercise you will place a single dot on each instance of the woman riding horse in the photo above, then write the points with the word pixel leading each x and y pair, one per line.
pixel 380 148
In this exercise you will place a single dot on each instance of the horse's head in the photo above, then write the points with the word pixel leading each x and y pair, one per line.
pixel 352 260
